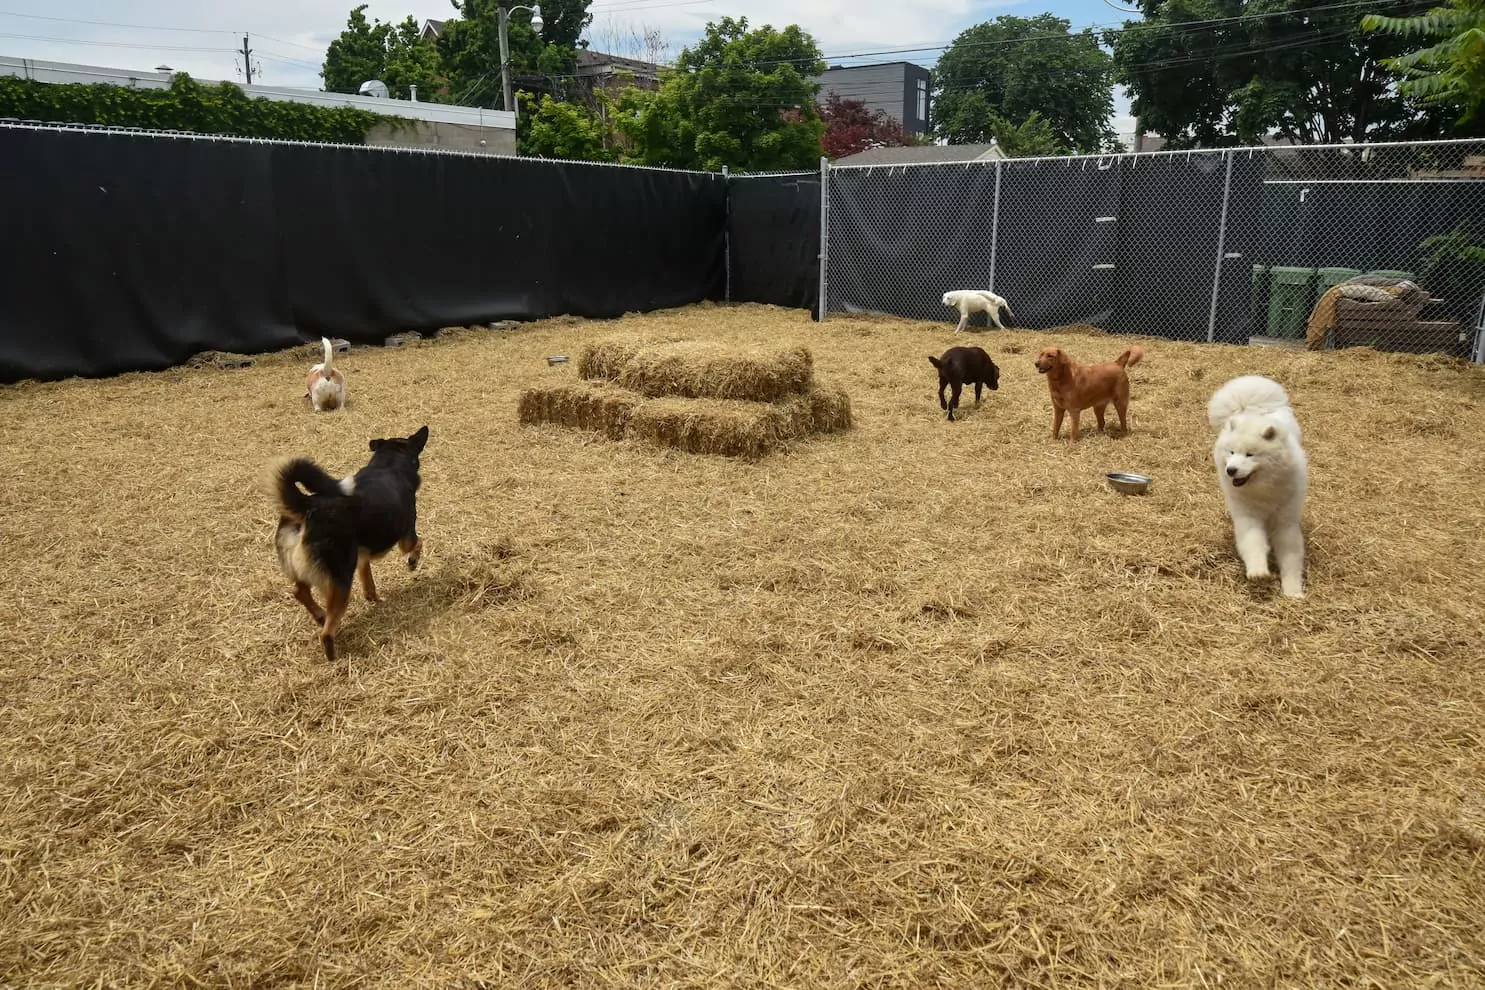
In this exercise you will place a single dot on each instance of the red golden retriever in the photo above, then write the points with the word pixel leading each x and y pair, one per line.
pixel 1076 387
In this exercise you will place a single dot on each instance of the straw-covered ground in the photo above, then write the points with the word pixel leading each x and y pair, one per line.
pixel 914 704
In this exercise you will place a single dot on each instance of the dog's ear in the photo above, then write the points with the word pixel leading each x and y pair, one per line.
pixel 1270 433
pixel 934 361
pixel 418 440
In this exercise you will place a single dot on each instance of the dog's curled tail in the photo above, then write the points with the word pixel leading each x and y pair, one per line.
pixel 302 471
pixel 329 364
pixel 1131 357
pixel 1249 393
pixel 934 361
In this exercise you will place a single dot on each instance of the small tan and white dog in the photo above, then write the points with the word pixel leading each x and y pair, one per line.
pixel 972 301
pixel 325 386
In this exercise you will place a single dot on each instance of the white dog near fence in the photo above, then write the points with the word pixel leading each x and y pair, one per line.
pixel 972 301
pixel 1264 473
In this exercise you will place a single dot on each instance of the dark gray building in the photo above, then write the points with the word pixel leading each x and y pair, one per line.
pixel 898 89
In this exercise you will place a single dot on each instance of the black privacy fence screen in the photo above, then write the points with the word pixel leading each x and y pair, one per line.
pixel 130 251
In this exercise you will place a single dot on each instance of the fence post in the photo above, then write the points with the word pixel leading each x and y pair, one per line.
pixel 727 234
pixel 995 226
pixel 1478 354
pixel 1221 250
pixel 824 234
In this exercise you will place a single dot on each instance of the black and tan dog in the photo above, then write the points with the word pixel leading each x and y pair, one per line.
pixel 326 537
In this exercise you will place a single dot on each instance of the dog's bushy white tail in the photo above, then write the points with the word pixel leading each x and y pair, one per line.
pixel 1248 394
pixel 329 356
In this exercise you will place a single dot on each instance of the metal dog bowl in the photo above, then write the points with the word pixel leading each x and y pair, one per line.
pixel 1129 484
pixel 556 359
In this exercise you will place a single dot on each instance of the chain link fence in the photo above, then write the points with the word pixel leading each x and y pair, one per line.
pixel 1356 245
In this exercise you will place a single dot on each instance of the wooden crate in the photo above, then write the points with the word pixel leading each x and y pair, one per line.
pixel 1396 327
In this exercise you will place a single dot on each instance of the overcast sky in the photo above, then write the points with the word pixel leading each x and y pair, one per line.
pixel 288 37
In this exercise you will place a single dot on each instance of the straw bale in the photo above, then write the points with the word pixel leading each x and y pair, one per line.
pixel 716 426
pixel 697 426
pixel 582 405
pixel 699 369
pixel 829 410
pixel 924 705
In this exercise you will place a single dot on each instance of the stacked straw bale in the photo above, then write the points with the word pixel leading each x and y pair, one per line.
pixel 696 369
pixel 695 396
pixel 581 405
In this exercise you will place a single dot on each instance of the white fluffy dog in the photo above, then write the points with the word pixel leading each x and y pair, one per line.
pixel 972 301
pixel 1264 473
pixel 325 385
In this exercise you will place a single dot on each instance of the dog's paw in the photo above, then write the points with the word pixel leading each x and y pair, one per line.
pixel 1261 573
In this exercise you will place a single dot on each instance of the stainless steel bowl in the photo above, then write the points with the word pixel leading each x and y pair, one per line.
pixel 555 359
pixel 1129 484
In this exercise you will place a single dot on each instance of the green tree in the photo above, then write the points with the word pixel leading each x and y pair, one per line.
pixel 1032 138
pixel 359 54
pixel 1451 71
pixel 393 53
pixel 411 61
pixel 1215 72
pixel 740 98
pixel 1009 68
pixel 549 128
pixel 470 46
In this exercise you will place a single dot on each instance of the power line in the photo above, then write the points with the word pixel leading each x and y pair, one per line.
pixel 293 44
pixel 286 58
pixel 117 44
pixel 1189 58
pixel 623 7
pixel 138 27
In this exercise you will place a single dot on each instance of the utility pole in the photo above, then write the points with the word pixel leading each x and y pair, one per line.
pixel 247 60
pixel 504 26
pixel 502 20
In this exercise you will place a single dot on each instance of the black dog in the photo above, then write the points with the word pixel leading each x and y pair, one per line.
pixel 961 366
pixel 326 537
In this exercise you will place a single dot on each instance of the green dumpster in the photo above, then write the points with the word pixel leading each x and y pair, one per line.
pixel 1327 278
pixel 1256 297
pixel 1289 301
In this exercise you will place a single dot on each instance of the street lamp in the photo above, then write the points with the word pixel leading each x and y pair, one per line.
pixel 505 46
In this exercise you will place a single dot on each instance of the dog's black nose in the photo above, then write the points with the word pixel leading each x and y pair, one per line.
pixel 1232 472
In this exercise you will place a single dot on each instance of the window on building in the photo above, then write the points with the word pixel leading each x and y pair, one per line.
pixel 922 102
